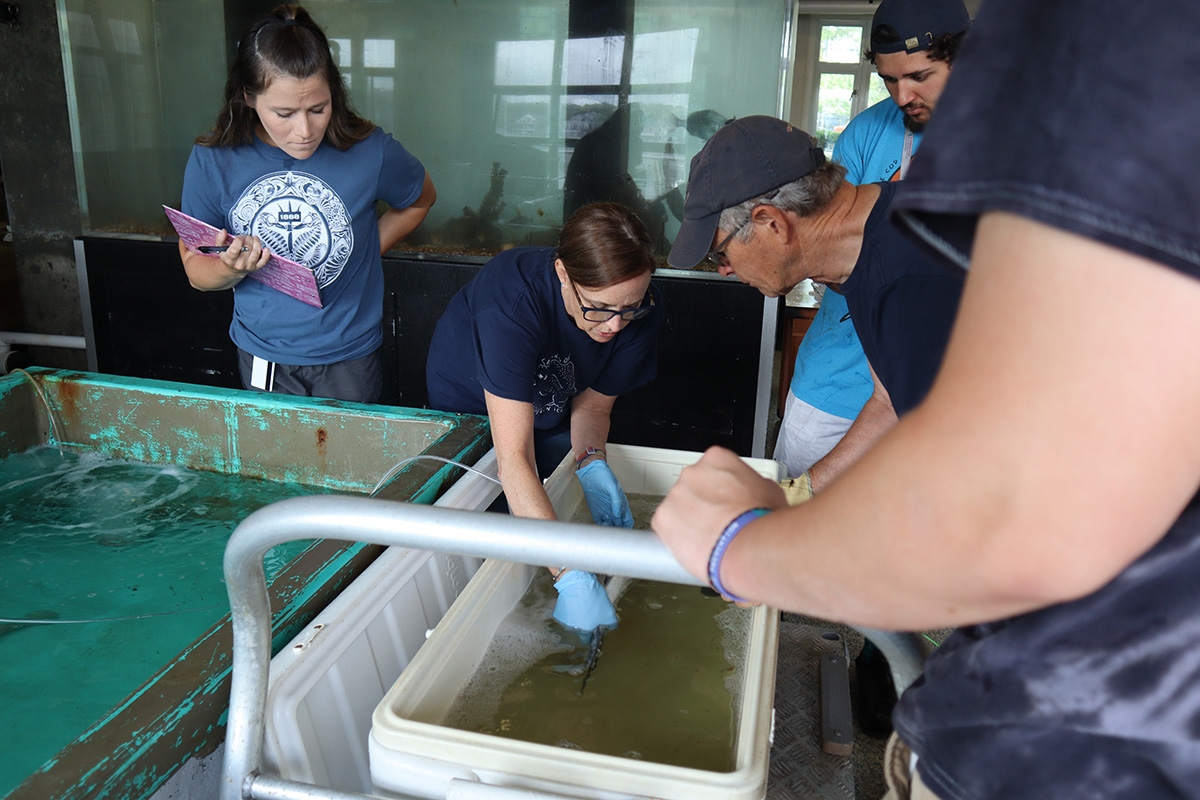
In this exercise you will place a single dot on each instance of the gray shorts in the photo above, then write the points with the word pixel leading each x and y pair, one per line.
pixel 359 379
pixel 806 435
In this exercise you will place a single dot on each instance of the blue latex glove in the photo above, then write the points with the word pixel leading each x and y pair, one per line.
pixel 582 602
pixel 605 498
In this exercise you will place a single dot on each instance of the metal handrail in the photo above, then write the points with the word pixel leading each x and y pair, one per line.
pixel 613 551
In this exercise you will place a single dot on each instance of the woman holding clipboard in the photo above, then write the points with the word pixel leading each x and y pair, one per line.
pixel 289 168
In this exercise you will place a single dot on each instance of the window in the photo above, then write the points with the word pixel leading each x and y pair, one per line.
pixel 845 83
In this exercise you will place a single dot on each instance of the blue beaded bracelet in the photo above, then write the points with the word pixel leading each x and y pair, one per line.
pixel 722 544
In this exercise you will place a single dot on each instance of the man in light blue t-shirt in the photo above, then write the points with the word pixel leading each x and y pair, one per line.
pixel 833 412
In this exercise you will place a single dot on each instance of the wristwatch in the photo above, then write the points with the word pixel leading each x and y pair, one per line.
pixel 591 451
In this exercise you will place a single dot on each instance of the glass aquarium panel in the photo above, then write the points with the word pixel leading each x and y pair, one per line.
pixel 594 61
pixel 664 56
pixel 493 96
pixel 524 63
pixel 584 113
pixel 143 80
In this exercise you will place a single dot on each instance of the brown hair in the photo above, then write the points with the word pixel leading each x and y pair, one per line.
pixel 285 43
pixel 604 244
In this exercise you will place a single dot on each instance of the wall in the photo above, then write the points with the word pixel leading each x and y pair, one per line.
pixel 39 178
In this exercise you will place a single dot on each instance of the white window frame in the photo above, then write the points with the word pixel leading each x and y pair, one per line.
pixel 863 71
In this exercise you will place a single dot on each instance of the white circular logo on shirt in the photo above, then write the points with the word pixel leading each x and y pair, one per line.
pixel 300 217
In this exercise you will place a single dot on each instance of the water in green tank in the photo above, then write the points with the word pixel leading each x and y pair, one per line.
pixel 110 569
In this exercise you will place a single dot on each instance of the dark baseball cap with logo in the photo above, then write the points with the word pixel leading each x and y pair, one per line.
pixel 746 158
pixel 907 26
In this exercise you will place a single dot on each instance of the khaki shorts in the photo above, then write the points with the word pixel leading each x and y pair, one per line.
pixel 903 782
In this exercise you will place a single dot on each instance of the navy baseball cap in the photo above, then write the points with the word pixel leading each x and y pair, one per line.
pixel 917 23
pixel 746 158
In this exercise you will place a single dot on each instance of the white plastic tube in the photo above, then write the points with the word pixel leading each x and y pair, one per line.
pixel 43 340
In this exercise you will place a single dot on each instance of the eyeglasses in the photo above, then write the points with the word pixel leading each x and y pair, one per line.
pixel 605 314
pixel 717 256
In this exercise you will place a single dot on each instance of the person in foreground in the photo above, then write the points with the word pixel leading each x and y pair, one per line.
pixel 543 340
pixel 289 168
pixel 1044 495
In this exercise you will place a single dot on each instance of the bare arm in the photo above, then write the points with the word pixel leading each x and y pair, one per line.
pixel 1056 446
pixel 512 435
pixel 874 420
pixel 396 223
pixel 591 415
pixel 212 273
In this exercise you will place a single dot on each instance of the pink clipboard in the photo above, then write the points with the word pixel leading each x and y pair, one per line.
pixel 280 273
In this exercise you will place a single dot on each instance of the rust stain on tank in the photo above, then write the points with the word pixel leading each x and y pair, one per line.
pixel 322 436
pixel 68 393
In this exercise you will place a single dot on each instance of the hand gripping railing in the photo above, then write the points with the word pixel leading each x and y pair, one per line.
pixel 610 551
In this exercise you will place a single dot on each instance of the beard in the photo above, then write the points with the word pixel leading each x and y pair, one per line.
pixel 913 124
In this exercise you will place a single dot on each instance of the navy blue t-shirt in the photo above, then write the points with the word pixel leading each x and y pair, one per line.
pixel 1083 118
pixel 902 301
pixel 507 331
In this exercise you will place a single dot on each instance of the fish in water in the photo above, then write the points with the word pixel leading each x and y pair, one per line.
pixel 614 588
pixel 593 656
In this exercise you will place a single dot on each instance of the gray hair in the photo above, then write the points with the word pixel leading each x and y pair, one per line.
pixel 803 197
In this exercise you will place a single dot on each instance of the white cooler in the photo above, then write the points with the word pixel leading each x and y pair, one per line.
pixel 423 759
pixel 326 682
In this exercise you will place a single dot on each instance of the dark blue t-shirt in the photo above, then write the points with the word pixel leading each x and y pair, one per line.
pixel 507 331
pixel 1083 118
pixel 902 301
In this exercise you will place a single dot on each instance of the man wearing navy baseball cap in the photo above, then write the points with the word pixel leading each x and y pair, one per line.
pixel 763 204
pixel 745 158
